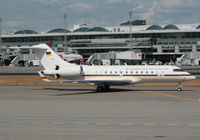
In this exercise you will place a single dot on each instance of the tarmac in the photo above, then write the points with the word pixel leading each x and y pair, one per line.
pixel 79 113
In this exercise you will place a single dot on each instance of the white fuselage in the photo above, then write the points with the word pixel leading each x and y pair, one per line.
pixel 136 73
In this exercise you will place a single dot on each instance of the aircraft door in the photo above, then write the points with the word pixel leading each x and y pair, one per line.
pixel 81 70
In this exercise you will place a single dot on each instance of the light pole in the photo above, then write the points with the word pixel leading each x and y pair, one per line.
pixel 65 27
pixel 130 24
pixel 0 30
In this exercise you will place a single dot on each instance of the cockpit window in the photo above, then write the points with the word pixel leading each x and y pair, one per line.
pixel 178 70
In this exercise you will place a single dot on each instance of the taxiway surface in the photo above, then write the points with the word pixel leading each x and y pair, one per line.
pixel 77 112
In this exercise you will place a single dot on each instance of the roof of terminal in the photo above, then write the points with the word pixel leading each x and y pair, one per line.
pixel 113 29
pixel 198 27
pixel 26 32
pixel 171 27
pixel 59 30
pixel 83 29
pixel 154 27
pixel 97 29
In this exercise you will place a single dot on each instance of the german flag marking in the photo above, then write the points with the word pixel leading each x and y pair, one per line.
pixel 48 53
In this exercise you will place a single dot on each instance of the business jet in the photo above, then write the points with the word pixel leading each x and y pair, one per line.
pixel 105 76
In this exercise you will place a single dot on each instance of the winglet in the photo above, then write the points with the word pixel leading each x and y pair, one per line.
pixel 43 76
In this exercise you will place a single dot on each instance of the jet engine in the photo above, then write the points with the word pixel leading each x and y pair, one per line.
pixel 69 72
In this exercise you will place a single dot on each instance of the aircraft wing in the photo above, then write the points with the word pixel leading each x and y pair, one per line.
pixel 110 82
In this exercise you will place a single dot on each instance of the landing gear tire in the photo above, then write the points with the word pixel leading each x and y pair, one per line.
pixel 100 89
pixel 179 89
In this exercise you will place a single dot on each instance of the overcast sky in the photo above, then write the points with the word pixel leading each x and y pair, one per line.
pixel 43 15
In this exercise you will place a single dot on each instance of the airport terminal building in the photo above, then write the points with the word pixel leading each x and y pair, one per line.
pixel 171 43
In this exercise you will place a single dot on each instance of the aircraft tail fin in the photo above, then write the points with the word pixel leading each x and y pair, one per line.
pixel 49 59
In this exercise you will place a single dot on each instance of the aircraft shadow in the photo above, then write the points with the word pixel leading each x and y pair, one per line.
pixel 87 91
pixel 173 89
pixel 111 90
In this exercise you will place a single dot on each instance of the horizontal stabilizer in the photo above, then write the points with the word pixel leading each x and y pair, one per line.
pixel 37 47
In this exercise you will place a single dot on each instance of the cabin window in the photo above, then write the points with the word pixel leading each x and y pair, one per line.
pixel 116 72
pixel 105 72
pixel 151 71
pixel 141 71
pixel 131 72
pixel 121 72
pixel 146 72
pixel 110 72
pixel 126 72
pixel 136 71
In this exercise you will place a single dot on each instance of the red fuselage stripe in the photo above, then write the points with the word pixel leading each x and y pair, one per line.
pixel 115 75
pixel 133 75
pixel 176 75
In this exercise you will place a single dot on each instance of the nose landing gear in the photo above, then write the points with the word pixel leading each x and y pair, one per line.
pixel 179 87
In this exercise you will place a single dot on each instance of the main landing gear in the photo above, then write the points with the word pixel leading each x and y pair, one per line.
pixel 102 88
pixel 179 87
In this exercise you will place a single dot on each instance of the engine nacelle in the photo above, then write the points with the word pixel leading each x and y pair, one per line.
pixel 57 76
pixel 70 72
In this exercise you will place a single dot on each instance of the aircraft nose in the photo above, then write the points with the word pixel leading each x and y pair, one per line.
pixel 193 77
